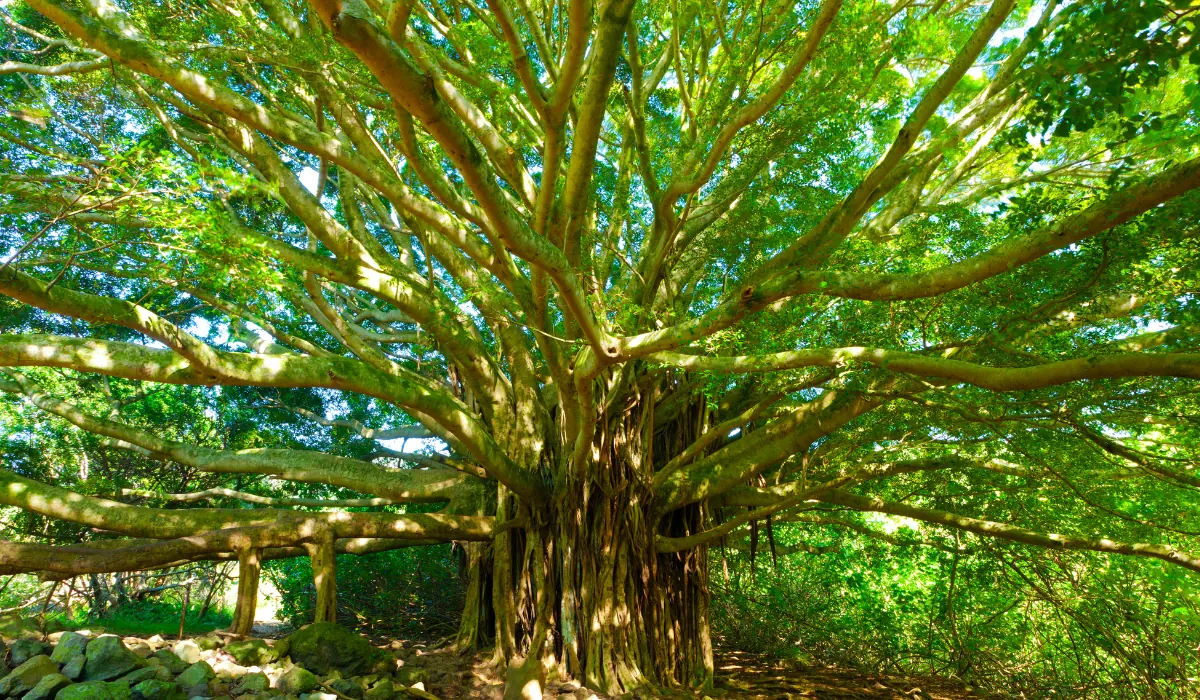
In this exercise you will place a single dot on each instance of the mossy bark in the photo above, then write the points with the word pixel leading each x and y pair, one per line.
pixel 249 570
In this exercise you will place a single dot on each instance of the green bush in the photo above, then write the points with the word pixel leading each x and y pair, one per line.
pixel 410 593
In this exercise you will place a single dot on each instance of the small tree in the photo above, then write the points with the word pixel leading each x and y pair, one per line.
pixel 653 272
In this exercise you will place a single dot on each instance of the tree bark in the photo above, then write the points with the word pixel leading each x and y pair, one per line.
pixel 324 566
pixel 249 569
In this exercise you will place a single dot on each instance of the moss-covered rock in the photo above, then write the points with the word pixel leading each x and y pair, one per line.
pixel 95 690
pixel 23 650
pixel 172 662
pixel 155 689
pixel 324 646
pixel 73 669
pixel 145 674
pixel 26 676
pixel 251 652
pixel 383 690
pixel 70 645
pixel 198 673
pixel 48 687
pixel 297 680
pixel 408 675
pixel 107 658
pixel 253 683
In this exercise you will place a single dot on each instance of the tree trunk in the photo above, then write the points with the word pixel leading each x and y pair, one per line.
pixel 578 589
pixel 324 567
pixel 249 568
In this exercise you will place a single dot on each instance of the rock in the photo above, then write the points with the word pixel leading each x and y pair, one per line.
pixel 318 695
pixel 95 690
pixel 107 658
pixel 157 641
pixel 347 687
pixel 24 677
pixel 70 645
pixel 208 643
pixel 281 646
pixel 297 680
pixel 73 669
pixel 198 673
pixel 188 650
pixel 218 689
pixel 144 674
pixel 155 689
pixel 23 650
pixel 138 647
pixel 48 687
pixel 227 670
pixel 383 690
pixel 408 675
pixel 324 646
pixel 254 683
pixel 198 691
pixel 252 652
pixel 172 662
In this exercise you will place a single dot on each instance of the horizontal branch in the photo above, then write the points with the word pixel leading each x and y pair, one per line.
pixel 1132 364
pixel 988 528
pixel 158 523
pixel 218 492
pixel 132 361
pixel 76 560
pixel 357 546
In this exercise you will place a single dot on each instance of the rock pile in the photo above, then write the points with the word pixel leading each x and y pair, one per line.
pixel 318 662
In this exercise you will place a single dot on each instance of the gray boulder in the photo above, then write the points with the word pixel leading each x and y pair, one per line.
pixel 73 669
pixel 95 690
pixel 324 646
pixel 107 658
pixel 154 689
pixel 297 680
pixel 198 673
pixel 23 650
pixel 48 687
pixel 70 645
pixel 172 662
pixel 27 675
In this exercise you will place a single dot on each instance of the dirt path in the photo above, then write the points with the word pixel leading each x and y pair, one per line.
pixel 740 676
pixel 746 677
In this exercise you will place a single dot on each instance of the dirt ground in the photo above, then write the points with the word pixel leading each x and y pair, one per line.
pixel 740 676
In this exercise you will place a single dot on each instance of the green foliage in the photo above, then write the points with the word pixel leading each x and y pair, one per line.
pixel 413 593
pixel 1008 620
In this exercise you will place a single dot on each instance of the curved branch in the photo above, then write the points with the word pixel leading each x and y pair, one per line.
pixel 1013 533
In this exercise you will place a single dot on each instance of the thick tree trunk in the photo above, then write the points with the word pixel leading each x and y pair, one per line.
pixel 324 567
pixel 249 569
pixel 578 589
pixel 618 616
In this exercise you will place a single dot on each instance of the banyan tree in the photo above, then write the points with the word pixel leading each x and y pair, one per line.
pixel 641 277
